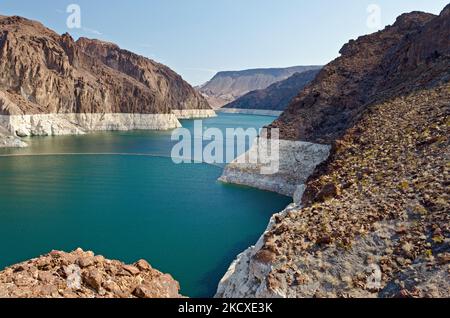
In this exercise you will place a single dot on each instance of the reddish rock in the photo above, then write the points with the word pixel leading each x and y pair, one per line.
pixel 92 278
pixel 131 269
pixel 101 279
pixel 143 265
pixel 46 277
pixel 393 62
pixel 85 261
pixel 328 191
pixel 143 292
pixel 86 76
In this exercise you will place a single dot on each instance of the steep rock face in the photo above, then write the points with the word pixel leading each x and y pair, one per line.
pixel 371 69
pixel 173 89
pixel 84 275
pixel 373 221
pixel 42 72
pixel 277 96
pixel 411 53
pixel 225 87
pixel 295 162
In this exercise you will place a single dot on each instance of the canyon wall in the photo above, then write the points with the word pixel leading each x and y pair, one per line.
pixel 373 219
pixel 47 79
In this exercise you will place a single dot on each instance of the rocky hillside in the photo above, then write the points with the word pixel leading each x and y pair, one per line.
pixel 374 218
pixel 410 54
pixel 45 78
pixel 375 221
pixel 43 72
pixel 277 96
pixel 84 275
pixel 225 87
pixel 174 91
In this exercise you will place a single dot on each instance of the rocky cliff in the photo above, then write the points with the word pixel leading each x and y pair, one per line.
pixel 401 58
pixel 277 96
pixel 84 275
pixel 225 87
pixel 167 85
pixel 372 221
pixel 44 73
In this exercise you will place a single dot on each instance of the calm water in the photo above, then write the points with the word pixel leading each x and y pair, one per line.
pixel 128 207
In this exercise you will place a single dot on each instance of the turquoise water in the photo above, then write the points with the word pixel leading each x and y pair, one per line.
pixel 58 195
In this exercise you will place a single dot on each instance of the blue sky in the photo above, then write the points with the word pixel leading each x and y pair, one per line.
pixel 200 37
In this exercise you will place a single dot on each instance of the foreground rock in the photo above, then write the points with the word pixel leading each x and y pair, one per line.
pixel 84 275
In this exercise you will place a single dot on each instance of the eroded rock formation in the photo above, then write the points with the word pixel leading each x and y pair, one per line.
pixel 82 274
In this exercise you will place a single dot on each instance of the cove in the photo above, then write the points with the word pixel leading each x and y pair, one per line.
pixel 120 195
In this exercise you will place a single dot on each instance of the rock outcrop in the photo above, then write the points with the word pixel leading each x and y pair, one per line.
pixel 373 220
pixel 44 73
pixel 7 140
pixel 277 96
pixel 410 54
pixel 294 164
pixel 84 275
pixel 226 87
pixel 167 86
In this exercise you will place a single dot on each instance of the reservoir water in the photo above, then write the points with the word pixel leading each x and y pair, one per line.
pixel 120 195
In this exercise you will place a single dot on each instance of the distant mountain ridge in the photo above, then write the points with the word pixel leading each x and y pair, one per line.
pixel 277 96
pixel 225 87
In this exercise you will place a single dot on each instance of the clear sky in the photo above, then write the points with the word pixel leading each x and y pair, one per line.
pixel 197 38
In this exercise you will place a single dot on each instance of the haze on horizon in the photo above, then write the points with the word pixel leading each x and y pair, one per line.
pixel 198 38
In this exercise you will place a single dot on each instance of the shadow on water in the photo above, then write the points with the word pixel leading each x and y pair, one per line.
pixel 210 280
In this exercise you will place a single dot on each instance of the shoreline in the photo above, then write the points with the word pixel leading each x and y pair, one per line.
pixel 257 112
pixel 245 276
pixel 194 113
pixel 14 127
pixel 297 161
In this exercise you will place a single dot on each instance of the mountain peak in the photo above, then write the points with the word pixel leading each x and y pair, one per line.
pixel 413 19
pixel 395 60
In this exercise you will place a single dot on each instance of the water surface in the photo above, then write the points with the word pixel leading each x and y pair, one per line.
pixel 119 195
